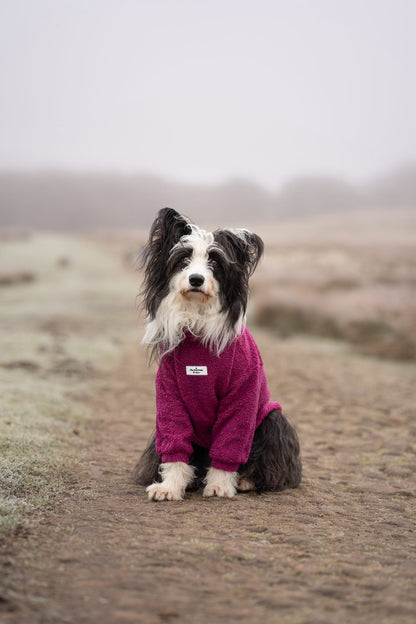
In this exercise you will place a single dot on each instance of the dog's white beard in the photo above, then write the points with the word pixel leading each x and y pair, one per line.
pixel 205 320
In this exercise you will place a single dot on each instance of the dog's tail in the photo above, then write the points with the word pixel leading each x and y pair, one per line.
pixel 146 470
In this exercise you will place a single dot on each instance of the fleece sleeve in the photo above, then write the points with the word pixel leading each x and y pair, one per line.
pixel 174 428
pixel 234 428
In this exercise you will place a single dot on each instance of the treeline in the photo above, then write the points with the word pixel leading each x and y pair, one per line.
pixel 64 200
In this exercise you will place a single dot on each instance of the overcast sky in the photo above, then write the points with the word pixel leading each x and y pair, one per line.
pixel 204 90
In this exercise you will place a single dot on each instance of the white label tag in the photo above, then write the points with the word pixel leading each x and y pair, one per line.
pixel 196 370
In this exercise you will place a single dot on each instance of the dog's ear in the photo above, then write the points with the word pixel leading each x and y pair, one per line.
pixel 246 247
pixel 168 227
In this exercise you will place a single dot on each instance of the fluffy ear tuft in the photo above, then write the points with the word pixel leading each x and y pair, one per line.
pixel 167 229
pixel 247 247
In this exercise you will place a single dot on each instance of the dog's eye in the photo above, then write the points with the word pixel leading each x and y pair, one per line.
pixel 186 260
pixel 213 263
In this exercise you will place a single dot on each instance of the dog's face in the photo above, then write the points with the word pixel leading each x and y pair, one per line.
pixel 194 267
pixel 195 273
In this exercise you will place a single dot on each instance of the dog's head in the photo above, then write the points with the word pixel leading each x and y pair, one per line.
pixel 196 280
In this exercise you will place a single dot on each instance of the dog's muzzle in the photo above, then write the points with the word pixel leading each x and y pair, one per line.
pixel 196 280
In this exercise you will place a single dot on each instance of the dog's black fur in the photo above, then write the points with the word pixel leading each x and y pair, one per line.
pixel 167 229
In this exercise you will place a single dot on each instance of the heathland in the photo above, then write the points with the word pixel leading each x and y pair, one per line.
pixel 333 311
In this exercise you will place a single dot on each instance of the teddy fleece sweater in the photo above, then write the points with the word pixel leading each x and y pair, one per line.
pixel 214 401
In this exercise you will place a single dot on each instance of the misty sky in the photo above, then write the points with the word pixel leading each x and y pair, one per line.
pixel 204 90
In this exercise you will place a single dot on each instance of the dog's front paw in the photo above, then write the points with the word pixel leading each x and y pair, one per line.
pixel 219 490
pixel 161 492
pixel 220 483
pixel 175 478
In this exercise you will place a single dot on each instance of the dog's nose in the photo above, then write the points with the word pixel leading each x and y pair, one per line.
pixel 196 280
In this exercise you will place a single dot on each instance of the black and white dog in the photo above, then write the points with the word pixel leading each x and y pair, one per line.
pixel 215 424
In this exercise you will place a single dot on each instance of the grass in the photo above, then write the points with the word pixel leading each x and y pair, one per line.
pixel 59 332
pixel 37 440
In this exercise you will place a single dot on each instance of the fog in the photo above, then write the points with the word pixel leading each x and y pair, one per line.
pixel 83 201
pixel 202 93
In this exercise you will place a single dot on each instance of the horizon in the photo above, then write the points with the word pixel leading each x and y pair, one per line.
pixel 378 176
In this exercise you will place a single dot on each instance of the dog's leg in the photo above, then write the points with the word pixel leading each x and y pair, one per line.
pixel 245 485
pixel 175 477
pixel 220 483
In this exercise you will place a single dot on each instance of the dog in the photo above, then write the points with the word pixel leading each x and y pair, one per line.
pixel 216 427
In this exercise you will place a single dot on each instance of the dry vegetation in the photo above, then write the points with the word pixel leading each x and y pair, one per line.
pixel 351 278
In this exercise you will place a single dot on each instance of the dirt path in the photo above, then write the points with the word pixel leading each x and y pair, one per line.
pixel 341 548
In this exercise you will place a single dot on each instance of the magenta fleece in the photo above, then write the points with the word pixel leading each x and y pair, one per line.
pixel 214 401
